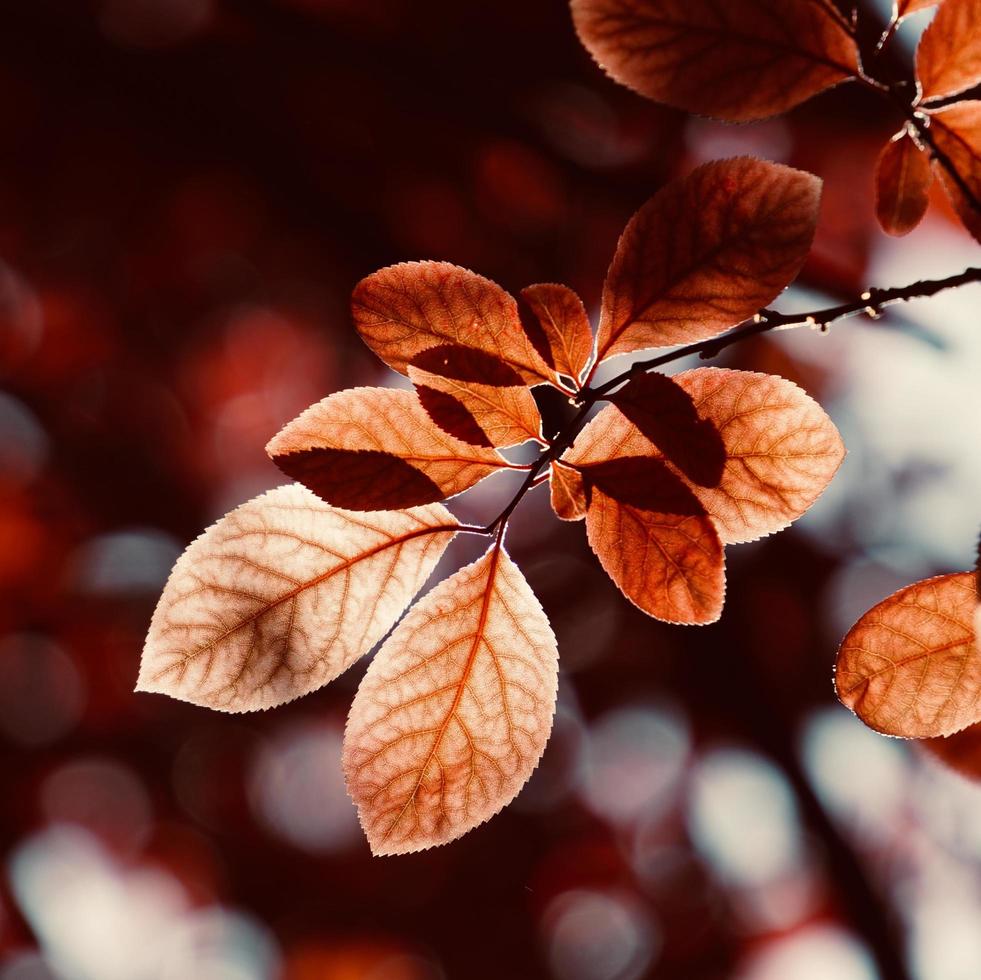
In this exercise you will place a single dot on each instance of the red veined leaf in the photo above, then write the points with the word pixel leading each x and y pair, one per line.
pixel 377 449
pixel 706 252
pixel 902 185
pixel 738 60
pixel 666 414
pixel 948 58
pixel 454 711
pixel 654 539
pixel 404 309
pixel 910 666
pixel 282 595
pixel 903 8
pixel 957 131
pixel 567 334
pixel 498 411
pixel 568 492
pixel 960 751
pixel 781 448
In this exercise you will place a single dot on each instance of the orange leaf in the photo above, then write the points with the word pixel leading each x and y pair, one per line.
pixel 404 309
pixel 656 542
pixel 960 751
pixel 781 448
pixel 957 131
pixel 568 336
pixel 377 449
pixel 568 493
pixel 948 59
pixel 475 396
pixel 902 185
pixel 737 60
pixel 666 414
pixel 706 252
pixel 454 711
pixel 903 8
pixel 910 666
pixel 282 595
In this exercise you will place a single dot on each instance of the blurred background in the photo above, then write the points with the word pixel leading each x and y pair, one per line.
pixel 189 189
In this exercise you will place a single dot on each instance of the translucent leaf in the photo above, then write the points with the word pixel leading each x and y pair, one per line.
pixel 475 396
pixel 735 60
pixel 404 309
pixel 282 595
pixel 455 710
pixel 781 448
pixel 377 449
pixel 957 131
pixel 656 542
pixel 902 185
pixel 948 58
pixel 568 493
pixel 903 8
pixel 706 252
pixel 565 325
pixel 910 666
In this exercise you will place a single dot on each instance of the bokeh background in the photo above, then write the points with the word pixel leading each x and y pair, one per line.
pixel 189 190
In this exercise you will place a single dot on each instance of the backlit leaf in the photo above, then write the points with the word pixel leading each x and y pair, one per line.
pixel 562 317
pixel 948 58
pixel 499 411
pixel 957 131
pixel 781 448
pixel 454 711
pixel 706 252
pixel 661 549
pixel 377 449
pixel 910 666
pixel 902 185
pixel 282 595
pixel 404 309
pixel 735 60
pixel 568 492
pixel 903 8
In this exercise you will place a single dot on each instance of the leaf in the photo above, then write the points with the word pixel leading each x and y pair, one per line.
pixel 902 185
pixel 404 309
pixel 666 414
pixel 475 396
pixel 781 448
pixel 948 58
pixel 656 542
pixel 563 319
pixel 454 711
pixel 910 666
pixel 706 252
pixel 957 132
pixel 568 492
pixel 903 8
pixel 377 449
pixel 283 594
pixel 960 751
pixel 736 60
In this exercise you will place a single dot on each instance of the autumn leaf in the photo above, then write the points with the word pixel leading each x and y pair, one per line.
pixel 903 8
pixel 910 666
pixel 957 132
pixel 655 540
pixel 404 309
pixel 706 252
pixel 666 414
pixel 283 594
pixel 948 58
pixel 902 185
pixel 377 449
pixel 568 492
pixel 567 336
pixel 475 396
pixel 738 60
pixel 454 711
pixel 781 448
